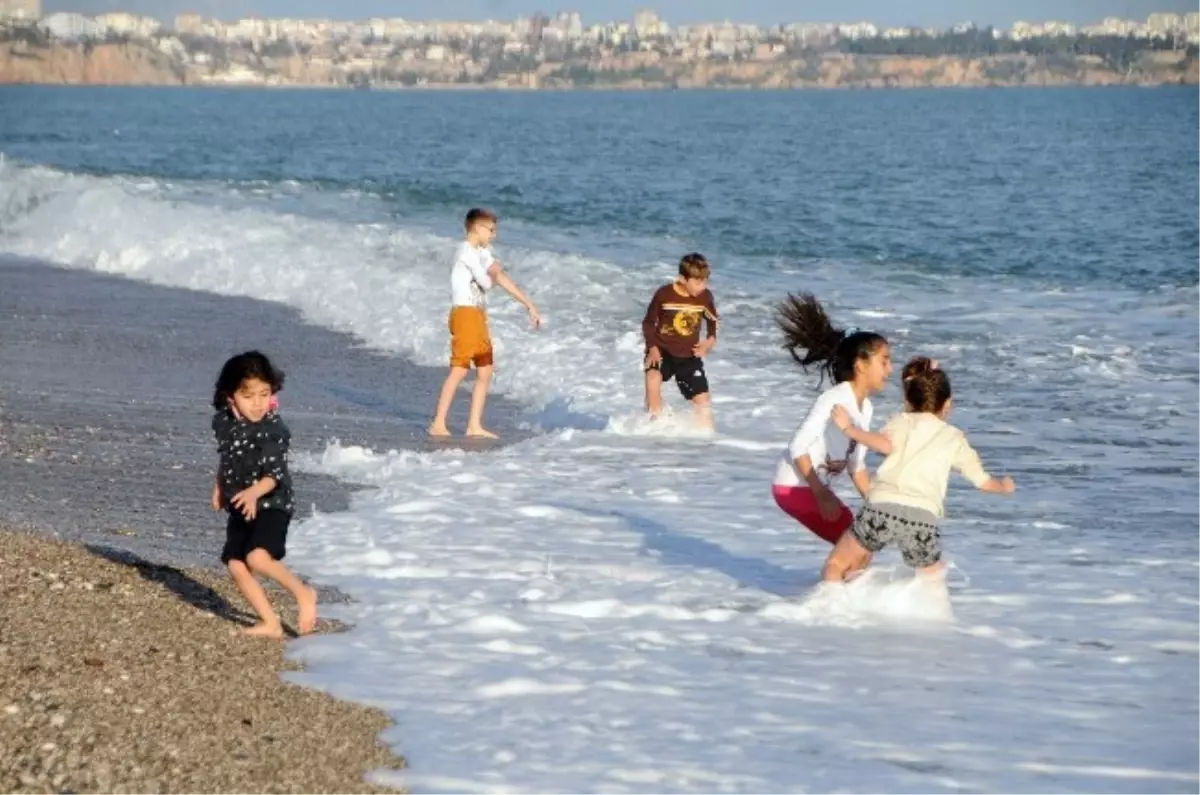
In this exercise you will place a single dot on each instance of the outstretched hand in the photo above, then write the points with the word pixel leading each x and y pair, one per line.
pixel 1004 485
pixel 841 417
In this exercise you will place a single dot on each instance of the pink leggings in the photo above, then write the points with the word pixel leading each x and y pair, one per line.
pixel 799 503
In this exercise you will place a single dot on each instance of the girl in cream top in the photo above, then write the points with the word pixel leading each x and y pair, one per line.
pixel 907 497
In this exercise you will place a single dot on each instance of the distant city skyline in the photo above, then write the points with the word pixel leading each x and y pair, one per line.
pixel 932 13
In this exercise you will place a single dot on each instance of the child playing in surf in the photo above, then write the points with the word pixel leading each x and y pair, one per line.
pixel 253 484
pixel 474 272
pixel 671 329
pixel 905 503
pixel 858 363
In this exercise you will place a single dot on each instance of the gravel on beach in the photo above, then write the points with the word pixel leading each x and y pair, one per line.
pixel 117 675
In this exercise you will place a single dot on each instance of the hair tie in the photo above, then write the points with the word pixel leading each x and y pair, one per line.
pixel 851 331
pixel 933 366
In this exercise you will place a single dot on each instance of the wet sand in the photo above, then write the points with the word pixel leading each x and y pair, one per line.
pixel 105 390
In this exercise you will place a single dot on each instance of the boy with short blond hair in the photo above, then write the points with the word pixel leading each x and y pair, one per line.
pixel 474 272
pixel 671 329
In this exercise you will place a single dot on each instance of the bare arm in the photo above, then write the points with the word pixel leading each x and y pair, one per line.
pixel 875 441
pixel 502 279
pixel 265 486
pixel 878 442
pixel 862 480
pixel 809 473
pixel 827 501
pixel 216 492
pixel 1004 485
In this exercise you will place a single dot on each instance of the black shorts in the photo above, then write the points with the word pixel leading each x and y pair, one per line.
pixel 688 374
pixel 268 531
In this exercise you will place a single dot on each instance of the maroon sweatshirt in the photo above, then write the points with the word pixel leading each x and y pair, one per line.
pixel 672 321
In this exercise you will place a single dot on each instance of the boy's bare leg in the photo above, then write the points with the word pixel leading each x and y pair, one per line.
pixel 483 380
pixel 449 387
pixel 268 625
pixel 261 562
pixel 653 392
pixel 702 409
pixel 847 555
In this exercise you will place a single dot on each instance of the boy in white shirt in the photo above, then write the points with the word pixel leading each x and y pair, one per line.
pixel 905 502
pixel 474 272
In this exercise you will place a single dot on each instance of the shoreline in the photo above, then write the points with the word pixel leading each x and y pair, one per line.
pixel 986 60
pixel 106 459
pixel 108 378
pixel 725 89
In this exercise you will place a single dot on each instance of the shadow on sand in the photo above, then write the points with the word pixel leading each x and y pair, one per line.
pixel 179 583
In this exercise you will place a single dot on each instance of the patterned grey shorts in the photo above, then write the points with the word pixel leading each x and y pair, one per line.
pixel 913 530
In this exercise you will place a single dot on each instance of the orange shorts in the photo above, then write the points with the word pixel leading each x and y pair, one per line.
pixel 470 341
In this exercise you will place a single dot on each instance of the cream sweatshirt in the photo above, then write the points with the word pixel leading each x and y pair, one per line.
pixel 925 449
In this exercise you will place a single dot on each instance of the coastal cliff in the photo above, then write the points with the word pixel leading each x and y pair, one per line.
pixel 140 63
pixel 100 64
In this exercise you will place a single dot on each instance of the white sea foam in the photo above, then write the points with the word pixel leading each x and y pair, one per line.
pixel 617 605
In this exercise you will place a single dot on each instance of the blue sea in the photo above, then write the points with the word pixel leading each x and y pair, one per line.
pixel 617 605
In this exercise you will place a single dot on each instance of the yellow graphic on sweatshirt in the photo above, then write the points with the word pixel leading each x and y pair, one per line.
pixel 684 322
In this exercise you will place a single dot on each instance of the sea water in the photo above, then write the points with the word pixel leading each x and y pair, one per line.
pixel 617 605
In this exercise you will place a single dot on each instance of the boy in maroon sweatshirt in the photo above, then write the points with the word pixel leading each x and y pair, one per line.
pixel 672 332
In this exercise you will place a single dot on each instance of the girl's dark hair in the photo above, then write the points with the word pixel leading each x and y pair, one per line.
pixel 926 388
pixel 834 351
pixel 916 366
pixel 250 364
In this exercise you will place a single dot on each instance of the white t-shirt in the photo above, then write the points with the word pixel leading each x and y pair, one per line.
pixel 832 453
pixel 469 279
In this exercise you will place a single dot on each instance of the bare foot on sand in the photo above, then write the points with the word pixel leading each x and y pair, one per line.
pixel 439 430
pixel 264 630
pixel 307 605
pixel 481 433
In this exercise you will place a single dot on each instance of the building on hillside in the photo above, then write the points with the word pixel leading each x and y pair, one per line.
pixel 189 23
pixel 70 26
pixel 127 24
pixel 1164 25
pixel 648 25
pixel 20 10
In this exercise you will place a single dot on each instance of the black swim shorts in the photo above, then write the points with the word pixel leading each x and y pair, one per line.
pixel 688 374
pixel 267 531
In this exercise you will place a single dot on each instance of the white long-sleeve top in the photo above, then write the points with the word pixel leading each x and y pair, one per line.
pixel 831 452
